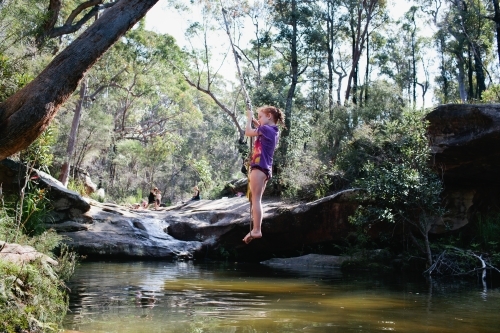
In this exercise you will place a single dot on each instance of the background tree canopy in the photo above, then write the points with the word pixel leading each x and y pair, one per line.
pixel 145 112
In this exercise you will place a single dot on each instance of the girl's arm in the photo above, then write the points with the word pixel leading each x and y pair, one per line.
pixel 249 131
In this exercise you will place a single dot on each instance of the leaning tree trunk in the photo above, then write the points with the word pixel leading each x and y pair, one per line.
pixel 26 114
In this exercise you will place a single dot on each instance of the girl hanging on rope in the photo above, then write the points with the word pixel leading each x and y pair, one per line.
pixel 262 159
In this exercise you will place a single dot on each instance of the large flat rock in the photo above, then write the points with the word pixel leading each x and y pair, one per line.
pixel 206 228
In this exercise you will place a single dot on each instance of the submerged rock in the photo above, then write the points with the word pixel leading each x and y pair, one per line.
pixel 308 261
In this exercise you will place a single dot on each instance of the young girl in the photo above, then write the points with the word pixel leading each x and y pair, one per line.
pixel 262 159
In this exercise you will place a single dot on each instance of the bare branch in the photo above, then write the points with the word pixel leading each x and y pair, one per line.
pixel 68 27
pixel 224 108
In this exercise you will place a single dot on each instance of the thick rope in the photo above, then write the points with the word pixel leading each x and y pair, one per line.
pixel 248 103
pixel 249 192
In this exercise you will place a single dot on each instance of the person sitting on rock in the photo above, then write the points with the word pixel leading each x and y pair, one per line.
pixel 152 197
pixel 196 195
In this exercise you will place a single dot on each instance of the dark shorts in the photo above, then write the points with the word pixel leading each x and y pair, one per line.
pixel 266 172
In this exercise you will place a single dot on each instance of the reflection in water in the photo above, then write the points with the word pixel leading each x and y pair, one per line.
pixel 187 297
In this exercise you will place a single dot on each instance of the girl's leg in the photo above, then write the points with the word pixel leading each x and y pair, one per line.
pixel 258 182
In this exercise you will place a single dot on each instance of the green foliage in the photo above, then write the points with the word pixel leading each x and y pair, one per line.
pixel 11 77
pixel 324 182
pixel 204 171
pixel 35 209
pixel 19 21
pixel 491 95
pixel 487 231
pixel 77 186
pixel 33 296
pixel 39 154
pixel 33 213
pixel 30 298
pixel 397 183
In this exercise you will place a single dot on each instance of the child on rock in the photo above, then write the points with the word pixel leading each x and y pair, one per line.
pixel 262 159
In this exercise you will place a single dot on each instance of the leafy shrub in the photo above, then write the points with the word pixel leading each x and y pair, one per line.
pixel 488 231
pixel 33 296
pixel 390 162
pixel 77 186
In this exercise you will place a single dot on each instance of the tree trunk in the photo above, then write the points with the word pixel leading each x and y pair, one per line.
pixel 414 69
pixel 367 72
pixel 428 251
pixel 329 46
pixel 446 85
pixel 359 35
pixel 470 73
pixel 461 79
pixel 73 134
pixel 294 68
pixel 496 19
pixel 478 68
pixel 26 114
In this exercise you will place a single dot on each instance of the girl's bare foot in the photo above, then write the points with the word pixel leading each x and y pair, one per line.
pixel 251 235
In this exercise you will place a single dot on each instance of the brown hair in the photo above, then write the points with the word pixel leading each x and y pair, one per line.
pixel 277 114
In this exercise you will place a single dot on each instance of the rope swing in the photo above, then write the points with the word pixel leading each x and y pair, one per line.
pixel 248 103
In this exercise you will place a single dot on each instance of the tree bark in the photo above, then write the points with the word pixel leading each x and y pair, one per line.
pixel 478 68
pixel 461 79
pixel 26 114
pixel 329 47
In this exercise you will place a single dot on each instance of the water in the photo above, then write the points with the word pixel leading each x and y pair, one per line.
pixel 189 297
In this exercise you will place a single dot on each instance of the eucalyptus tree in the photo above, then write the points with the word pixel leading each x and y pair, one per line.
pixel 259 56
pixel 456 47
pixel 296 35
pixel 330 28
pixel 26 113
pixel 494 8
pixel 465 34
pixel 402 54
pixel 360 16
pixel 445 78
pixel 86 97
pixel 149 102
pixel 207 60
pixel 483 9
pixel 410 26
pixel 479 34
pixel 131 73
pixel 260 52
